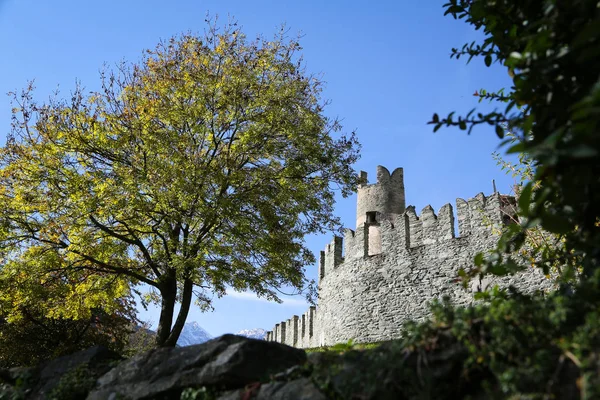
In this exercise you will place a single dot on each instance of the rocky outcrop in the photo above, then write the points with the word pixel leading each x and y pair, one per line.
pixel 238 368
pixel 229 366
pixel 226 362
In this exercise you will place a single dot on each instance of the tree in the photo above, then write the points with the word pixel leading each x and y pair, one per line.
pixel 45 313
pixel 539 345
pixel 201 167
pixel 140 340
pixel 35 338
pixel 539 246
pixel 547 48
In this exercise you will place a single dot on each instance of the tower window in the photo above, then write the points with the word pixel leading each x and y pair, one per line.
pixel 371 217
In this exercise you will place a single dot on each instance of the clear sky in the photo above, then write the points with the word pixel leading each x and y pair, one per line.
pixel 386 65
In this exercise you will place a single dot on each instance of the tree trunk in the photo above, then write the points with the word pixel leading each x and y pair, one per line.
pixel 186 300
pixel 168 292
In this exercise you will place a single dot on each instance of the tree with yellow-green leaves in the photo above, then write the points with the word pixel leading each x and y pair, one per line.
pixel 198 169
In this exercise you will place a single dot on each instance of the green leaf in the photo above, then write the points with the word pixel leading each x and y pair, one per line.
pixel 499 131
pixel 498 270
pixel 479 258
pixel 455 9
pixel 517 148
pixel 481 295
pixel 525 198
pixel 556 224
pixel 582 151
pixel 511 266
pixel 488 60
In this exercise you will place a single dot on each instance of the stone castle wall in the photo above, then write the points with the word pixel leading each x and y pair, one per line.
pixel 388 270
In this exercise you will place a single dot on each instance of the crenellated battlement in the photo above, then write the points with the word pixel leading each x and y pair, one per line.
pixel 384 272
pixel 296 331
pixel 331 257
pixel 409 230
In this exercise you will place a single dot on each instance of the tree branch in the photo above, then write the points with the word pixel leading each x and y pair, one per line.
pixel 134 242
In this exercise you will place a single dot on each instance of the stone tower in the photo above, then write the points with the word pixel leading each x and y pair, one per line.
pixel 379 201
pixel 382 200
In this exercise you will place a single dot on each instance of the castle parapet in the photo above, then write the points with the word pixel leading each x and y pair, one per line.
pixel 385 224
pixel 437 227
pixel 331 257
pixel 480 214
pixel 415 228
pixel 410 230
pixel 279 333
pixel 296 331
pixel 392 250
pixel 306 337
pixel 395 236
pixel 291 328
pixel 355 243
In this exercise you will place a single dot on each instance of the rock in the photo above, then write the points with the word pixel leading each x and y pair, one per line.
pixel 238 368
pixel 60 374
pixel 9 376
pixel 227 362
pixel 299 389
pixel 92 357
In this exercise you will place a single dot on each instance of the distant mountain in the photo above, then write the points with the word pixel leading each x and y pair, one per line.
pixel 193 333
pixel 257 333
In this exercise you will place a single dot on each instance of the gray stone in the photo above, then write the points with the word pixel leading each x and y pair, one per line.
pixel 38 382
pixel 227 362
pixel 297 389
pixel 56 368
pixel 396 262
pixel 231 395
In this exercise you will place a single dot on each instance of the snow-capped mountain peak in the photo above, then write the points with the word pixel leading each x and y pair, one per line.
pixel 193 333
pixel 257 333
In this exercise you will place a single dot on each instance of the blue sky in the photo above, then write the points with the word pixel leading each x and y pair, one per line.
pixel 386 65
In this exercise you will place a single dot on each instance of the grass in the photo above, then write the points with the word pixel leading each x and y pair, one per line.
pixel 342 347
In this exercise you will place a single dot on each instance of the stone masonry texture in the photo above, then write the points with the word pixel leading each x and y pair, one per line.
pixel 395 263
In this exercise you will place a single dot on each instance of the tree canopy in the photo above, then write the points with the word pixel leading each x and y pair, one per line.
pixel 549 49
pixel 34 337
pixel 541 345
pixel 198 169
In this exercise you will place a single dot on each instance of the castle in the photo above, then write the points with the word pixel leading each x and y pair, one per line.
pixel 395 262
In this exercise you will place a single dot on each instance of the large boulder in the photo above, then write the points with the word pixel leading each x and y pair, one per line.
pixel 227 362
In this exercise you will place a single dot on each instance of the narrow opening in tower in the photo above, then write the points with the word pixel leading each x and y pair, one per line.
pixel 508 208
pixel 371 217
